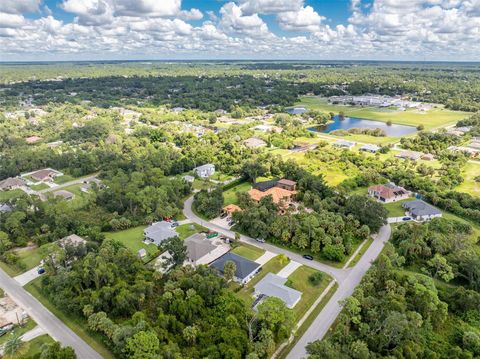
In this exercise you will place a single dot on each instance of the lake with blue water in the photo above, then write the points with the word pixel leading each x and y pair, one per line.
pixel 354 122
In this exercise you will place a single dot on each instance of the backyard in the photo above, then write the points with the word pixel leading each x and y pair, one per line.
pixel 230 195
pixel 132 239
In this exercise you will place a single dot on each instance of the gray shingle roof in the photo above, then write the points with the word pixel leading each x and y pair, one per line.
pixel 159 232
pixel 245 267
pixel 420 208
pixel 198 246
pixel 273 285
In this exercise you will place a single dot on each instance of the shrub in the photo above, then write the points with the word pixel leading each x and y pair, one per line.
pixel 315 278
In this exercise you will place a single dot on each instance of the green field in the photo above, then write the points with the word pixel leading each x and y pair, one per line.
pixel 63 179
pixel 39 187
pixel 132 239
pixel 77 324
pixel 469 185
pixel 248 251
pixel 436 117
pixel 230 195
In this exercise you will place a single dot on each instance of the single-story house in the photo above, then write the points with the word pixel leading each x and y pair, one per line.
pixel 205 171
pixel 188 178
pixel 12 183
pixel 203 250
pixel 159 232
pixel 46 174
pixel 370 148
pixel 254 142
pixel 5 208
pixel 71 240
pixel 296 110
pixel 268 128
pixel 273 285
pixel 287 184
pixel 245 268
pixel 421 211
pixel 66 195
pixel 344 144
pixel 388 192
pixel 409 155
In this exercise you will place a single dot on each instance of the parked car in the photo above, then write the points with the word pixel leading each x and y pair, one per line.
pixel 231 222
pixel 308 256
pixel 174 224
pixel 41 270
pixel 223 215
pixel 261 240
pixel 406 219
pixel 212 235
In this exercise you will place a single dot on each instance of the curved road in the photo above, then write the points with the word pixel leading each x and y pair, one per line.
pixel 45 319
pixel 347 279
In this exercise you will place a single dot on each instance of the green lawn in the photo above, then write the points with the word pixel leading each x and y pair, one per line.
pixel 202 184
pixel 31 257
pixel 186 230
pixel 75 189
pixel 39 187
pixel 230 195
pixel 395 209
pixel 274 265
pixel 132 239
pixel 63 179
pixel 18 330
pixel 219 176
pixel 35 345
pixel 436 117
pixel 469 185
pixel 248 251
pixel 7 195
pixel 75 323
pixel 299 280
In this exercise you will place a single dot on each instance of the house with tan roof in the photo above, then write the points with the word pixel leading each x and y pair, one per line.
pixel 12 183
pixel 388 193
pixel 45 175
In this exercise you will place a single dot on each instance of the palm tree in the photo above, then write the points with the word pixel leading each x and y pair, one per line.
pixel 15 348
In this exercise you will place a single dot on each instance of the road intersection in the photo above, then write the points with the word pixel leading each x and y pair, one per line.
pixel 347 278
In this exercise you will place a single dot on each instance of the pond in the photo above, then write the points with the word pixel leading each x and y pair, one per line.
pixel 354 122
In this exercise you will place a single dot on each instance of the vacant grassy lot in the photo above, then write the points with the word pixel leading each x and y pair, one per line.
pixel 132 239
pixel 230 195
pixel 75 323
pixel 248 251
pixel 274 265
pixel 299 280
pixel 186 230
pixel 470 186
pixel 436 117
pixel 39 187
pixel 75 189
pixel 63 179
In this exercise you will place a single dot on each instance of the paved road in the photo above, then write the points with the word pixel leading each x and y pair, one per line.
pixel 66 184
pixel 347 278
pixel 332 309
pixel 45 319
pixel 337 273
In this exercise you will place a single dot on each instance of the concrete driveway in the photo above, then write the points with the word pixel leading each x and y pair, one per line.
pixel 28 276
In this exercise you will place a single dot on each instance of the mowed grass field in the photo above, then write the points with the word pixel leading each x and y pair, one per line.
pixel 436 117
pixel 469 185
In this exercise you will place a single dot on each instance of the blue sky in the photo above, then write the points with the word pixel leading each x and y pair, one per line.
pixel 228 29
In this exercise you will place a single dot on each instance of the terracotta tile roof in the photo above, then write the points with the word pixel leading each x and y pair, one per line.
pixel 277 194
pixel 387 191
pixel 231 208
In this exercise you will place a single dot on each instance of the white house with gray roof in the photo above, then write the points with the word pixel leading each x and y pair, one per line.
pixel 205 171
pixel 273 285
pixel 203 250
pixel 421 211
pixel 159 232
